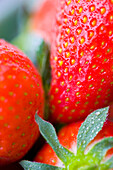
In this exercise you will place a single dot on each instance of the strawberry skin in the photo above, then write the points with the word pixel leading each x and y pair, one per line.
pixel 68 138
pixel 21 95
pixel 81 59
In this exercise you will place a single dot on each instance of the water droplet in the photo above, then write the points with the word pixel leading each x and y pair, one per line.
pixel 92 122
pixel 97 113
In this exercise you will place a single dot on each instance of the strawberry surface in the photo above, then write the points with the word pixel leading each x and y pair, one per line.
pixel 81 59
pixel 68 138
pixel 21 96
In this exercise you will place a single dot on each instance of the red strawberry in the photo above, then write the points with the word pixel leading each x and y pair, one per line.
pixel 42 19
pixel 81 59
pixel 68 138
pixel 80 146
pixel 21 96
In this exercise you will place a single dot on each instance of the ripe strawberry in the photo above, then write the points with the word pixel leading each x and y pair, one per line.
pixel 21 96
pixel 42 19
pixel 81 59
pixel 90 145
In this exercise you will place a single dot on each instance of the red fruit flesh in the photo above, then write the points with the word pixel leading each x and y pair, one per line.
pixel 21 95
pixel 68 138
pixel 81 59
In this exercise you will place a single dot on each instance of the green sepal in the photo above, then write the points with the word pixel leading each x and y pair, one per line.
pixel 48 132
pixel 90 128
pixel 109 163
pixel 98 151
pixel 28 165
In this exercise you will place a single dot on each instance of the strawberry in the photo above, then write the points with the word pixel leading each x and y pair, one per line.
pixel 90 145
pixel 21 96
pixel 41 20
pixel 81 59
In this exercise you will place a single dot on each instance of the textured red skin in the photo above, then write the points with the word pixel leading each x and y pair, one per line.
pixel 82 70
pixel 42 19
pixel 19 84
pixel 68 138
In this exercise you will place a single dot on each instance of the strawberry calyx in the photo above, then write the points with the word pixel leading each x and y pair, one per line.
pixel 83 160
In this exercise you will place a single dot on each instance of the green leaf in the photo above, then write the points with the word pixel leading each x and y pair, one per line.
pixel 48 132
pixel 28 165
pixel 99 150
pixel 90 128
pixel 109 163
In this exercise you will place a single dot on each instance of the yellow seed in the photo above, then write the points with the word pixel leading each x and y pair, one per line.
pixel 68 2
pixel 77 93
pixel 73 61
pixel 103 43
pixel 60 50
pixel 89 77
pixel 92 47
pixel 111 1
pixel 67 54
pixel 59 101
pixel 62 83
pixel 79 30
pixel 72 39
pixel 67 99
pixel 70 117
pixel 82 111
pixel 93 22
pixel 82 40
pixel 110 32
pixel 103 80
pixel 111 18
pixel 80 70
pixel 75 23
pixel 93 66
pixel 92 8
pixel 90 85
pixel 65 20
pixel 96 102
pixel 100 89
pixel 87 95
pixel 2 98
pixel 65 70
pixel 78 83
pixel 72 12
pixel 70 78
pixel 91 34
pixel 59 74
pixel 73 110
pixel 86 62
pixel 66 44
pixel 56 90
pixel 84 19
pixel 61 63
pixel 82 53
pixel 98 96
pixel 102 10
pixel 86 103
pixel 66 107
pixel 51 97
pixel 68 30
pixel 1 117
pixel 80 9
